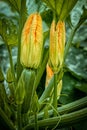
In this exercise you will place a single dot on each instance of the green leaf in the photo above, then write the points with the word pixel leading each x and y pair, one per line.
pixel 76 63
pixel 82 125
pixel 82 87
pixel 35 6
pixel 66 8
pixel 23 13
pixel 14 4
pixel 50 3
pixel 47 16
pixel 69 92
pixel 61 7
pixel 79 12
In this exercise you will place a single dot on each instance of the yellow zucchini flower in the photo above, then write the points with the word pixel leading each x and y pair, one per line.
pixel 57 44
pixel 32 42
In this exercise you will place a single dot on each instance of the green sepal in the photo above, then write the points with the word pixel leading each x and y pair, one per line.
pixel 20 89
pixel 9 76
pixel 11 88
pixel 35 103
pixel 29 77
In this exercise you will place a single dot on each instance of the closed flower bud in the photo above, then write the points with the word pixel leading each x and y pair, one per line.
pixel 49 74
pixel 32 42
pixel 57 43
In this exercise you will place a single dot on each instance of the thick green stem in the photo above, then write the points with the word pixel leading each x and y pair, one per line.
pixel 55 95
pixel 70 107
pixel 22 18
pixel 62 121
pixel 19 67
pixel 19 117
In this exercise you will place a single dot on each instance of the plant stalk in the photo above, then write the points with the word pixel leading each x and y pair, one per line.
pixel 65 120
pixel 22 18
pixel 55 95
pixel 11 63
pixel 70 107
pixel 19 117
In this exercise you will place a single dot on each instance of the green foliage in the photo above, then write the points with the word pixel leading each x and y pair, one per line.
pixel 8 25
pixel 14 4
pixel 13 14
pixel 61 7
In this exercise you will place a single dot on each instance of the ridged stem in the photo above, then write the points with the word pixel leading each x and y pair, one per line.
pixel 55 95
pixel 64 120
pixel 70 107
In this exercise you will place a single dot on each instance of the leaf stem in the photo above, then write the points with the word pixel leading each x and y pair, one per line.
pixel 68 45
pixel 55 94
